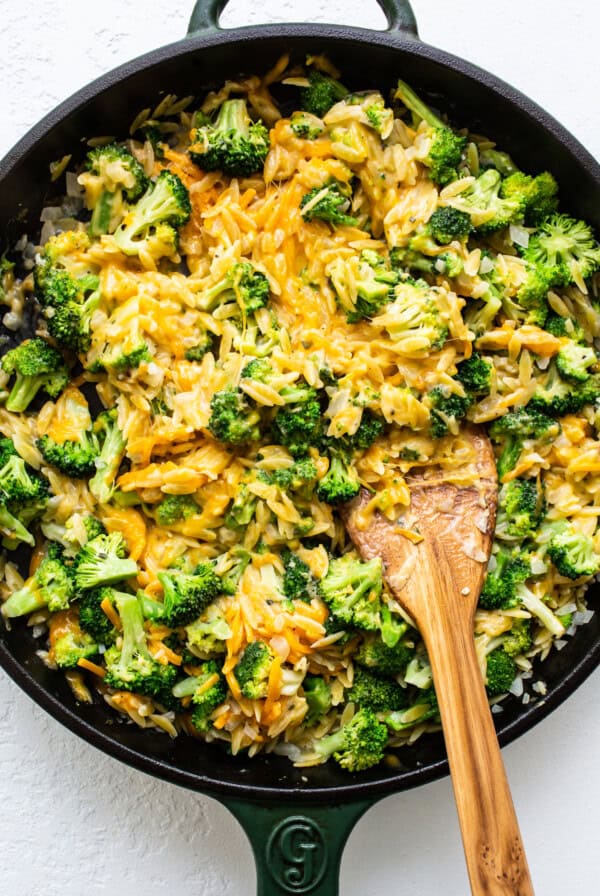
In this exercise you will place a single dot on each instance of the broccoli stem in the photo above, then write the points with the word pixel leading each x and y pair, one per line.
pixel 417 106
pixel 233 116
pixel 100 220
pixel 23 602
pixel 134 636
pixel 24 391
pixel 13 528
pixel 331 744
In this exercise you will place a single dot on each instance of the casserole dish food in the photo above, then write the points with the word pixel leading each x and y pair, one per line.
pixel 417 76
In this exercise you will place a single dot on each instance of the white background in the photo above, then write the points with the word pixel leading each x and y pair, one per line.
pixel 73 821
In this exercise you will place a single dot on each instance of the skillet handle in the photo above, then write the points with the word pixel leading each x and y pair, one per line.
pixel 297 847
pixel 399 15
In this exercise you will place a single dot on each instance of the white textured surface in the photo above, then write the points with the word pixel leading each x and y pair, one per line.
pixel 76 822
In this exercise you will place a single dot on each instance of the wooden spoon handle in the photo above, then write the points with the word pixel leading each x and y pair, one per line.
pixel 495 856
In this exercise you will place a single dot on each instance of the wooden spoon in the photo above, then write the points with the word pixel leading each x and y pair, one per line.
pixel 438 582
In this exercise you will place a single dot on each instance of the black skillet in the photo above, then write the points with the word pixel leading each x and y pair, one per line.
pixel 297 820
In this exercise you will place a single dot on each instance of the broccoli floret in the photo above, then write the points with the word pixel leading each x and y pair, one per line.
pixel 233 143
pixel 298 478
pixel 205 344
pixel 36 365
pixel 370 428
pixel 207 635
pixel 103 561
pixel 207 696
pixel 574 361
pixel 358 745
pixel 447 264
pixel 21 487
pixel 50 586
pixel 486 207
pixel 329 203
pixel 299 425
pixel 242 284
pixel 512 430
pixel 500 588
pixel 520 509
pixel 207 689
pixel 260 370
pixel 475 375
pixel 121 358
pixel 69 323
pixel 72 645
pixel 501 161
pixel 306 126
pixel 298 581
pixel 114 177
pixel 532 297
pixel 424 709
pixel 363 284
pixel 7 277
pixel 155 137
pixel 447 224
pixel 7 450
pixel 340 483
pixel 538 195
pixel 393 627
pixel 379 694
pixel 317 694
pixel 321 94
pixel 558 398
pixel 74 459
pixel 352 591
pixel 242 510
pixel 68 303
pixel 67 287
pixel 564 247
pixel 252 670
pixel 413 320
pixel 233 420
pixel 92 617
pixel 446 409
pixel 501 671
pixel 166 201
pixel 23 497
pixel 563 326
pixel 446 148
pixel 238 561
pixel 176 509
pixel 93 527
pixel 519 639
pixel 572 552
pixel 109 438
pixel 129 664
pixel 375 654
pixel 187 594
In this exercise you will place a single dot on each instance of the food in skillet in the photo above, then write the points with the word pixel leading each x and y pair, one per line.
pixel 244 318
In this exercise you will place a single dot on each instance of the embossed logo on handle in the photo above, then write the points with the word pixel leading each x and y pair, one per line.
pixel 297 854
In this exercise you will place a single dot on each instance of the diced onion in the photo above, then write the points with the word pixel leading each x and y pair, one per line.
pixel 486 265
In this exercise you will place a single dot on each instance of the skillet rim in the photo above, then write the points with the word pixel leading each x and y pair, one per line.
pixel 355 789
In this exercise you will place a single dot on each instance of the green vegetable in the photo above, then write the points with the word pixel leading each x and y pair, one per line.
pixel 358 745
pixel 446 150
pixel 36 366
pixel 233 143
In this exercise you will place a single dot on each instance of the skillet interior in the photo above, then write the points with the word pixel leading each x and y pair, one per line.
pixel 107 107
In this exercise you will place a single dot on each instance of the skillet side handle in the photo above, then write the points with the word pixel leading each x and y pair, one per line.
pixel 399 15
pixel 205 16
pixel 297 848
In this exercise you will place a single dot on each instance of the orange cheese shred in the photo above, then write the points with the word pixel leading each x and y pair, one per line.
pixel 91 667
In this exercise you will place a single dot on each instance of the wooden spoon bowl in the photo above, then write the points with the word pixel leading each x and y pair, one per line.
pixel 437 581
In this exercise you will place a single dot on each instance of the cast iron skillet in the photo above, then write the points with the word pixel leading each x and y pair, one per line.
pixel 296 819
